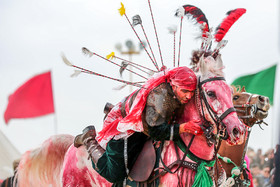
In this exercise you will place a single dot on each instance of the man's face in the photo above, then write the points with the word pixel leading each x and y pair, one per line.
pixel 266 172
pixel 183 95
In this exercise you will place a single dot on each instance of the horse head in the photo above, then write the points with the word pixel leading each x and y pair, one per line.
pixel 215 97
pixel 251 108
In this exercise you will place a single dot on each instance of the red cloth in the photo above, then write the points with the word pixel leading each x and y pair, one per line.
pixel 34 98
pixel 246 158
pixel 180 76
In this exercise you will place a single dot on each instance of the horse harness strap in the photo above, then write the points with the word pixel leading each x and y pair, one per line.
pixel 247 116
pixel 217 119
pixel 179 163
pixel 245 148
pixel 178 158
pixel 227 112
pixel 253 108
pixel 212 79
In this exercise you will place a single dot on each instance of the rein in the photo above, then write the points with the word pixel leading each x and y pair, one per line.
pixel 222 134
pixel 252 115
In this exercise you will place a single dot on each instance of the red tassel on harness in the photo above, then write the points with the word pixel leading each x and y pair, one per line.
pixel 232 17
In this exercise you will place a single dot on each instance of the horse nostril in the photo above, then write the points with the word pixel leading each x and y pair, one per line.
pixel 266 99
pixel 261 98
pixel 236 132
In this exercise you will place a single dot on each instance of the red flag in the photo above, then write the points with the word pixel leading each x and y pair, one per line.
pixel 34 98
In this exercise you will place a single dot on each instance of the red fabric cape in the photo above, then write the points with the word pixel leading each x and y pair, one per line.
pixel 180 76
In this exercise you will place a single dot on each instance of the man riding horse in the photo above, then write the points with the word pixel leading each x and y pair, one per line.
pixel 150 112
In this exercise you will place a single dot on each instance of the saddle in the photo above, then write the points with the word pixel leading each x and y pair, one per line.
pixel 144 164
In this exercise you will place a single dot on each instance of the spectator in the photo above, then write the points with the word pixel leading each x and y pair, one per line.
pixel 276 175
pixel 259 158
pixel 251 154
pixel 266 175
pixel 269 158
pixel 256 173
pixel 255 170
pixel 256 182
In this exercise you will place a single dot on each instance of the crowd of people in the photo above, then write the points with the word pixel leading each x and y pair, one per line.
pixel 262 166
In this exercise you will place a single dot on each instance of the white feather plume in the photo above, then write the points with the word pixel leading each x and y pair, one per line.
pixel 221 44
pixel 65 60
pixel 172 29
pixel 87 52
pixel 76 73
pixel 180 12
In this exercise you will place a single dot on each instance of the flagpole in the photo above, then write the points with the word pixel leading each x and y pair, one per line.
pixel 55 117
pixel 276 108
pixel 277 90
pixel 55 124
pixel 276 116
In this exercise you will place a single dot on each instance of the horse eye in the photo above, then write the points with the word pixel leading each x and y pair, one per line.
pixel 235 97
pixel 211 94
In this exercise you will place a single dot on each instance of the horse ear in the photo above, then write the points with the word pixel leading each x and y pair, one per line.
pixel 202 65
pixel 243 89
pixel 234 89
pixel 220 64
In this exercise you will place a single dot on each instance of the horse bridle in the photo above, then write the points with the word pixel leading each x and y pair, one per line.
pixel 247 116
pixel 222 133
pixel 247 105
pixel 207 130
pixel 253 111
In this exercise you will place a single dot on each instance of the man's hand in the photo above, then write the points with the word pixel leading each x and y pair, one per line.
pixel 191 127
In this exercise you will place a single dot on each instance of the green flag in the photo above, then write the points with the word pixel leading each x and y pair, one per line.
pixel 261 83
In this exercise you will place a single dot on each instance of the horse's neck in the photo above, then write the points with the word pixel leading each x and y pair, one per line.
pixel 199 146
pixel 235 153
pixel 191 112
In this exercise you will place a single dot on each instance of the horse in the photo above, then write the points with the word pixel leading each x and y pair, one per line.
pixel 44 155
pixel 212 105
pixel 252 109
pixel 42 166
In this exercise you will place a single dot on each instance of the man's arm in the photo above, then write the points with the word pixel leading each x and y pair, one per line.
pixel 160 110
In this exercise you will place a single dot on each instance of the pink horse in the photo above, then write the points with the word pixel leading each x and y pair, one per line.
pixel 52 165
pixel 42 166
pixel 77 169
pixel 58 163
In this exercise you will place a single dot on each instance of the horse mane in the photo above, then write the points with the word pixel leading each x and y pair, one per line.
pixel 212 67
pixel 196 54
pixel 38 164
pixel 238 89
